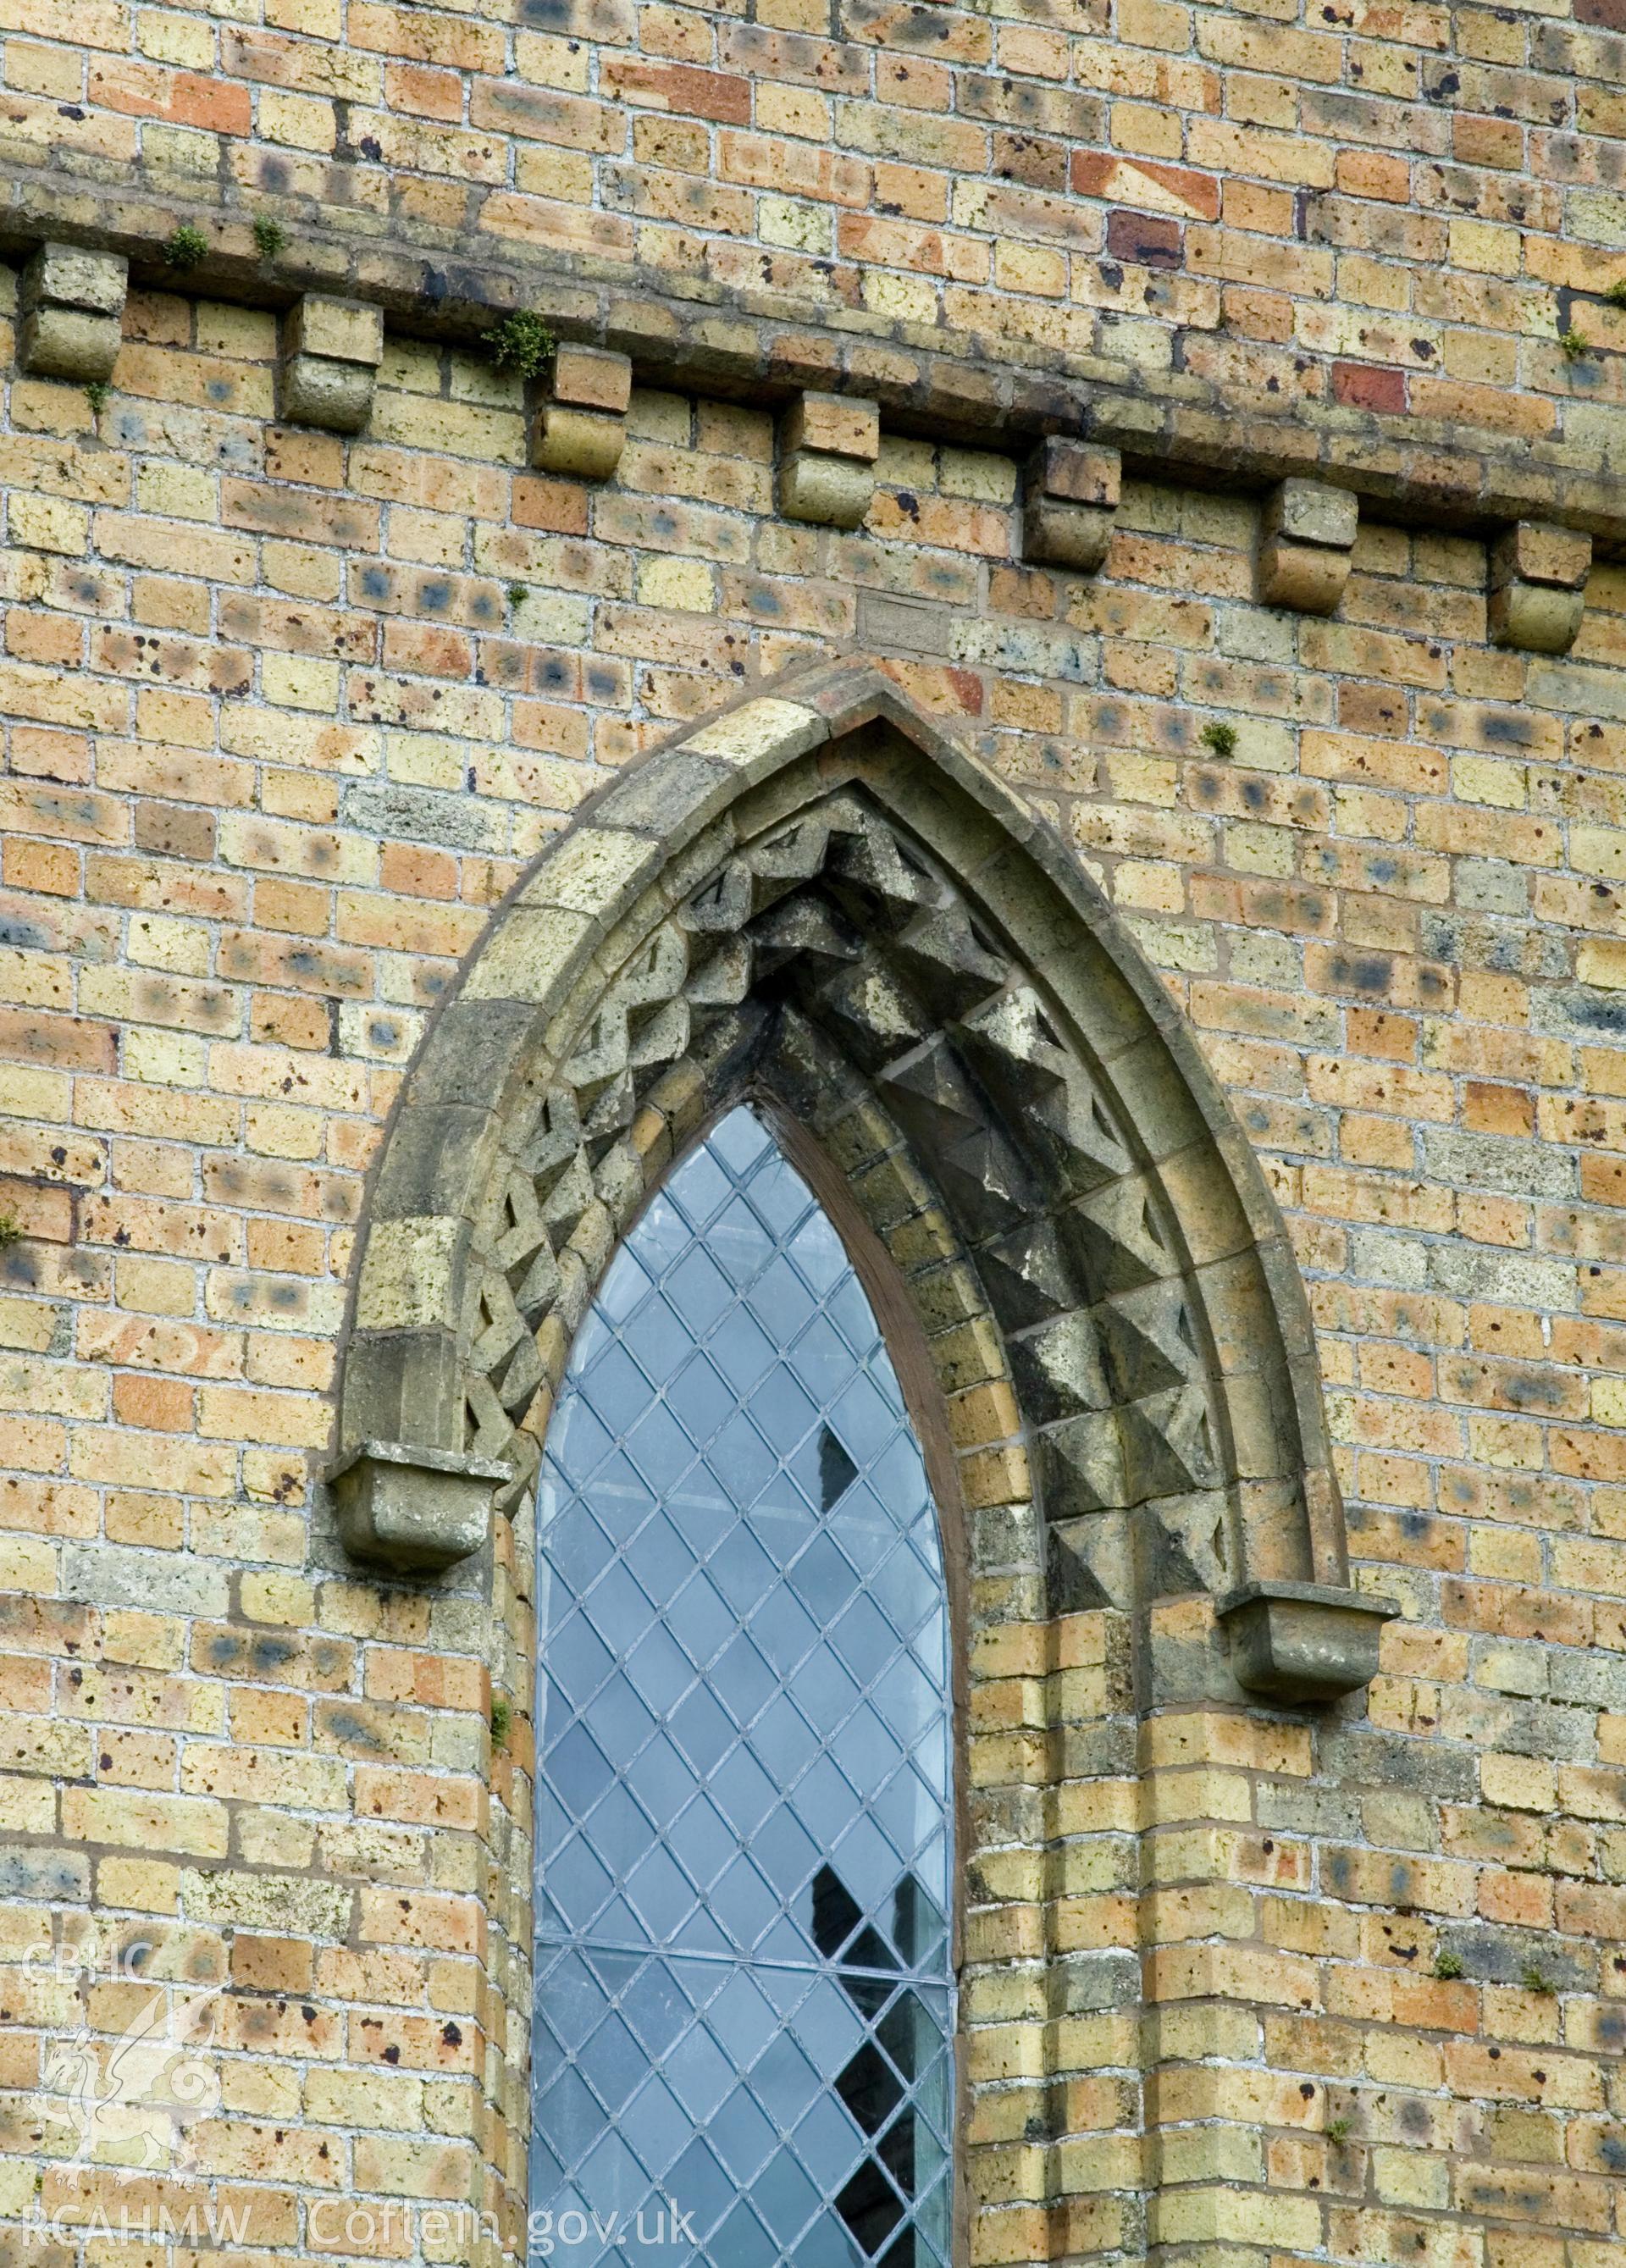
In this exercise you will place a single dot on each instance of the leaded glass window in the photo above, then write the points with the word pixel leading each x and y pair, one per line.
pixel 744 1981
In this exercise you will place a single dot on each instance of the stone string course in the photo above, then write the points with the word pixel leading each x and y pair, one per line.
pixel 289 712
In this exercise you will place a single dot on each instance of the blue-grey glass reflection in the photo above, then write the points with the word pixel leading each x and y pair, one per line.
pixel 744 1995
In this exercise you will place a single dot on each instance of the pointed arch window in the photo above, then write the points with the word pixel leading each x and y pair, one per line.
pixel 745 1994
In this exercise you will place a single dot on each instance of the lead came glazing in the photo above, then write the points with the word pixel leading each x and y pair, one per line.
pixel 744 1989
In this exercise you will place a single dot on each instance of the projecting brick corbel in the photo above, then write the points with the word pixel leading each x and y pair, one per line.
pixel 1305 540
pixel 72 307
pixel 331 353
pixel 581 428
pixel 1070 503
pixel 1538 586
pixel 828 444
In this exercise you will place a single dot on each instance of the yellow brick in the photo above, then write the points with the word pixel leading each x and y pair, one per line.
pixel 688 585
pixel 285 1599
pixel 49 524
pixel 1477 779
pixel 297 681
pixel 161 941
pixel 165 1058
pixel 178 491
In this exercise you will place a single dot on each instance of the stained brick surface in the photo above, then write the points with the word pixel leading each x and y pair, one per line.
pixel 1384 205
pixel 286 715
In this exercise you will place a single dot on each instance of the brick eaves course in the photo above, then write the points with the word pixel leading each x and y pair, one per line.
pixel 744 344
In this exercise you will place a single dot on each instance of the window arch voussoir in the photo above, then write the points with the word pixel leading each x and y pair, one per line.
pixel 820 895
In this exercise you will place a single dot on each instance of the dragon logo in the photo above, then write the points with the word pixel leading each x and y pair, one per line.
pixel 133 2099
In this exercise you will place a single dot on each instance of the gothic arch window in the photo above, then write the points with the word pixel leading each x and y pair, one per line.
pixel 821 897
pixel 744 1983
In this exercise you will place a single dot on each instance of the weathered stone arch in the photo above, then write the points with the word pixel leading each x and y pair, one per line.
pixel 820 895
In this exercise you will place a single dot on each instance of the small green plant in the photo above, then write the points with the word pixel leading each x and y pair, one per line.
pixel 96 393
pixel 1535 1979
pixel 1447 1964
pixel 1338 2132
pixel 518 593
pixel 1573 346
pixel 1220 738
pixel 1616 293
pixel 270 236
pixel 11 1230
pixel 187 248
pixel 521 342
pixel 502 1721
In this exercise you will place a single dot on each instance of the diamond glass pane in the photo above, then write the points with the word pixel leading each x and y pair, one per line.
pixel 744 1996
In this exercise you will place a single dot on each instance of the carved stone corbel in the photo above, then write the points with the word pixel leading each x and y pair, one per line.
pixel 581 428
pixel 331 353
pixel 1070 501
pixel 828 444
pixel 1303 1642
pixel 72 307
pixel 415 1510
pixel 1305 540
pixel 1538 586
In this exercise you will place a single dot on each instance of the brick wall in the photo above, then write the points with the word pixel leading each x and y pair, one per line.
pixel 1383 206
pixel 286 717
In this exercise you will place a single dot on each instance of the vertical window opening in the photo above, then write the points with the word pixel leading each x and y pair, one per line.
pixel 745 1996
